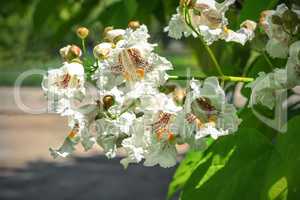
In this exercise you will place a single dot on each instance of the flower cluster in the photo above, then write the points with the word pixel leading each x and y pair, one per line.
pixel 128 110
pixel 283 28
pixel 115 100
pixel 208 18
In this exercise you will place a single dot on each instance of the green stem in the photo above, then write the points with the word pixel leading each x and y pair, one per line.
pixel 207 48
pixel 223 78
pixel 268 60
pixel 237 78
pixel 83 46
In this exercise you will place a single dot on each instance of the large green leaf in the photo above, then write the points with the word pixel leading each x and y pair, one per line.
pixel 245 165
pixel 233 168
pixel 184 171
pixel 282 175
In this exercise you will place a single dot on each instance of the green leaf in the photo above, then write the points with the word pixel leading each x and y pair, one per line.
pixel 183 172
pixel 252 8
pixel 282 176
pixel 232 169
pixel 245 165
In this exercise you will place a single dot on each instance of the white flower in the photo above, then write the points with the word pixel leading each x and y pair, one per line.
pixel 265 86
pixel 80 121
pixel 209 129
pixel 161 150
pixel 131 60
pixel 67 80
pixel 155 103
pixel 103 50
pixel 208 18
pixel 161 154
pixel 177 26
pixel 160 114
pixel 136 144
pixel 114 35
pixel 67 148
pixel 273 22
pixel 64 85
pixel 244 34
pixel 206 112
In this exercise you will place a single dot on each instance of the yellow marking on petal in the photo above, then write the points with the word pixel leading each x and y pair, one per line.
pixel 226 30
pixel 160 133
pixel 72 134
pixel 126 76
pixel 199 124
pixel 140 72
pixel 212 118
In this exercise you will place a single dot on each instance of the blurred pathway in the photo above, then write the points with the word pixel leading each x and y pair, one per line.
pixel 94 178
pixel 28 172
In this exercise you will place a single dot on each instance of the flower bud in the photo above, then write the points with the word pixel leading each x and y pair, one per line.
pixel 134 25
pixel 70 52
pixel 106 29
pixel 103 50
pixel 82 32
pixel 108 101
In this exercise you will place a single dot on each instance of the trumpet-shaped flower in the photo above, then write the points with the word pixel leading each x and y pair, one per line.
pixel 131 60
pixel 206 111
pixel 63 85
pixel 280 25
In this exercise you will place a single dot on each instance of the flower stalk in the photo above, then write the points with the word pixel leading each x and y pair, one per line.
pixel 209 51
pixel 223 78
pixel 83 46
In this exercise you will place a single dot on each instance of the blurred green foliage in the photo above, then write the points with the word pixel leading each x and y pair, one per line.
pixel 32 31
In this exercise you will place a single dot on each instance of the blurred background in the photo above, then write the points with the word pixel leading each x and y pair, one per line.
pixel 31 33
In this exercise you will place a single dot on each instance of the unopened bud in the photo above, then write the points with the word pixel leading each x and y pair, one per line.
pixel 70 52
pixel 108 101
pixel 82 32
pixel 103 50
pixel 134 25
pixel 106 29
